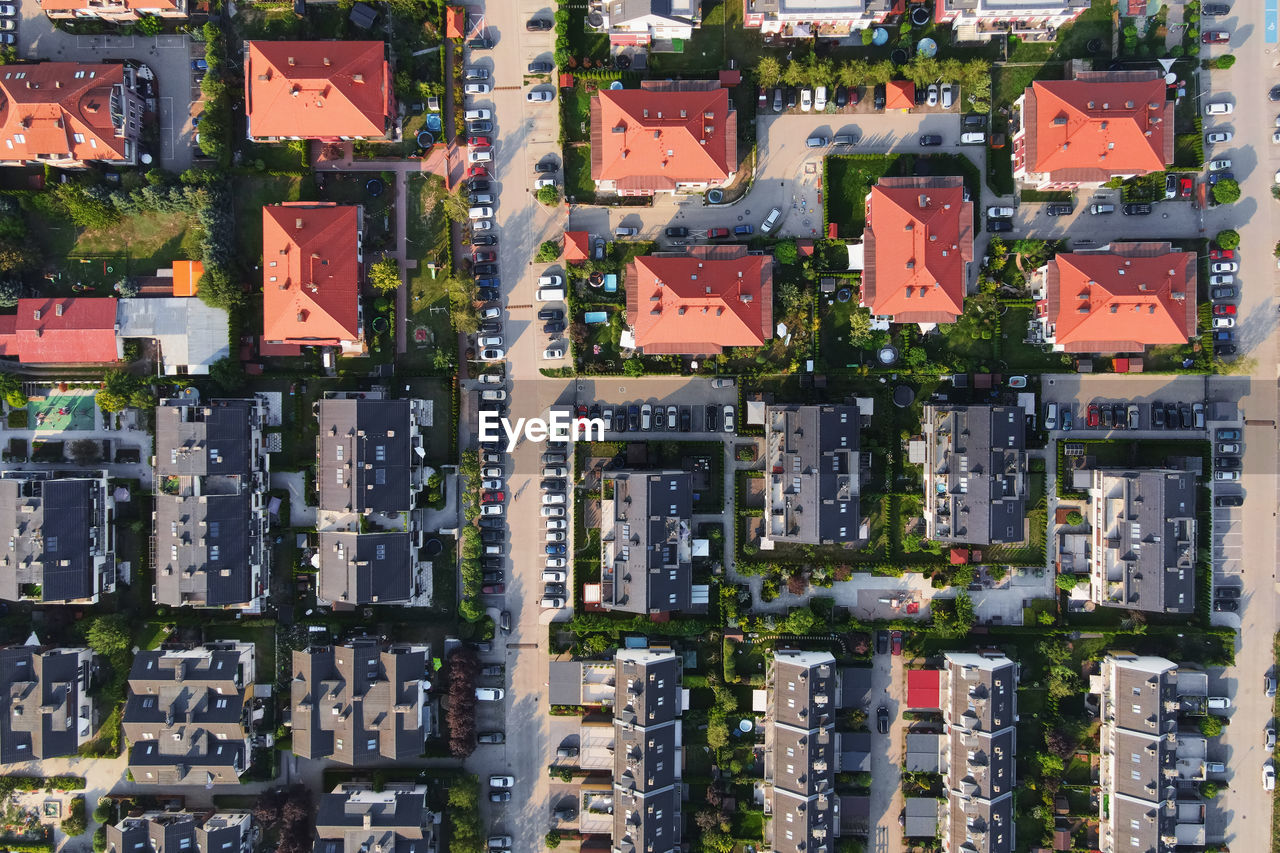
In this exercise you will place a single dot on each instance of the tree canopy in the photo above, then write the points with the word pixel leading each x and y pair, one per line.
pixel 384 275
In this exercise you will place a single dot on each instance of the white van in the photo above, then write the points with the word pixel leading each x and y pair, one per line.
pixel 553 576
pixel 552 603
pixel 550 294
pixel 1051 416
pixel 480 213
pixel 771 220
pixel 973 138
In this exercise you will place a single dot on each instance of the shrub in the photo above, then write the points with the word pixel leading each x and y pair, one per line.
pixel 1066 582
pixel 550 196
pixel 1227 239
pixel 1074 518
pixel 1223 62
pixel 552 839
pixel 384 275
pixel 548 252
pixel 1211 726
pixel 1226 192
pixel 75 822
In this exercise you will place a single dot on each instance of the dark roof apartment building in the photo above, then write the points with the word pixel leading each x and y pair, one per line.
pixel 975 474
pixel 356 819
pixel 646 545
pixel 47 709
pixel 979 706
pixel 359 703
pixel 369 457
pixel 181 832
pixel 1144 539
pixel 812 469
pixel 800 752
pixel 60 547
pixel 210 518
pixel 648 703
pixel 185 714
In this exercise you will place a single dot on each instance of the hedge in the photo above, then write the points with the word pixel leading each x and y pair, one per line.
pixel 9 784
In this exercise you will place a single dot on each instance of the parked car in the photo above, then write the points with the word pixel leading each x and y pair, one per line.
pixel 845 139
pixel 882 720
pixel 539 96
pixel 1224 310
pixel 817 142
pixel 1222 293
pixel 728 418
pixel 1215 37
pixel 1228 434
pixel 806 99
pixel 476 73
pixel 491 737
pixel 1224 266
pixel 1228 500
pixel 1218 108
pixel 541 66
pixel 1219 165
pixel 998 212
pixel 948 96
pixel 538 25
pixel 490 694
pixel 1059 209
pixel 820 98
pixel 1135 209
pixel 1098 209
pixel 999 225
pixel 476 89
pixel 896 639
pixel 1215 137
pixel 677 231
pixel 930 139
pixel 771 220
pixel 931 95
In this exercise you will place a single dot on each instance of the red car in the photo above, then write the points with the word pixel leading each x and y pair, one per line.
pixel 493 497
pixel 896 638
pixel 717 233
pixel 483 256
pixel 1216 37
pixel 1092 418
pixel 1224 310
pixel 1185 186
pixel 477 172
pixel 478 141
pixel 1222 255
pixel 494 589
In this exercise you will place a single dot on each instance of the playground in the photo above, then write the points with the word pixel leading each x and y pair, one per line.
pixel 92 276
pixel 61 412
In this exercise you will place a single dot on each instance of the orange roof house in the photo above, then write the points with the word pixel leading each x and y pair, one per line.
pixel 899 95
pixel 455 22
pixel 327 90
pixel 74 330
pixel 917 244
pixel 1092 128
pixel 663 137
pixel 119 11
pixel 69 114
pixel 577 246
pixel 701 301
pixel 1131 297
pixel 311 275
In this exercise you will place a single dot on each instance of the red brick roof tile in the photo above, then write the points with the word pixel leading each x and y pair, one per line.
pixel 310 273
pixel 61 331
pixel 318 89
pixel 61 108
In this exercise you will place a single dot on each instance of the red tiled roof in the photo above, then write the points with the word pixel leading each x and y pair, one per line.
pixel 655 138
pixel 59 108
pixel 1135 296
pixel 577 246
pixel 1098 125
pixel 318 89
pixel 918 238
pixel 61 331
pixel 310 273
pixel 899 95
pixel 924 689
pixel 455 22
pixel 700 302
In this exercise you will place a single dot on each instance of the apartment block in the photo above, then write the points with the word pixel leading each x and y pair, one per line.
pixel 646 544
pixel 357 819
pixel 47 707
pixel 647 761
pixel 975 474
pixel 812 475
pixel 70 114
pixel 176 832
pixel 61 548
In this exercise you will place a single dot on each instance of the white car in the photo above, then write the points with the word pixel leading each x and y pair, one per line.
pixel 480 155
pixel 491 378
pixel 556 524
pixel 553 351
pixel 493 472
pixel 806 99
pixel 728 418
pixel 1225 266
pixel 555 471
pixel 555 536
pixel 1220 108
pixel 477 89
pixel 932 99
pixel 502 781
pixel 547 499
pixel 1224 322
pixel 492 485
pixel 493 354
pixel 552 602
pixel 543 183
pixel 1228 476
pixel 493 395
pixel 1216 136
pixel 492 509
pixel 1219 703
pixel 539 96
pixel 1271 739
pixel 556 562
pixel 1221 279
pixel 493 312
pixel 771 220
pixel 8 10
pixel 480 212
pixel 646 416
pixel 553 512
pixel 489 341
pixel 820 98
pixel 550 280
pixel 553 576
pixel 947 93
pixel 481 224
pixel 1219 165
pixel 477 115
pixel 490 694
pixel 1275 138
pixel 1268 777
pixel 1000 212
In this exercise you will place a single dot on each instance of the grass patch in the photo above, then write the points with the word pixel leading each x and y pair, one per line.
pixel 705 52
pixel 260 632
pixel 1043 196
pixel 254 193
pixel 428 237
pixel 1188 151
pixel 578 185
pixel 575 114
pixel 848 178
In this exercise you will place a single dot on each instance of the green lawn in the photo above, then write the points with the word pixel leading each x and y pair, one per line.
pixel 252 193
pixel 1073 39
pixel 849 177
pixel 575 113
pixel 583 44
pixel 705 52
pixel 428 236
pixel 578 185
pixel 149 242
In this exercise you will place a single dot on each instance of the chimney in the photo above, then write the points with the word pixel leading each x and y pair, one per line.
pixel 291 62
pixel 357 78
pixel 58 309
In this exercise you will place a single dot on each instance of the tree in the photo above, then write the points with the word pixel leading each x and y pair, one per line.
pixel 547 252
pixel 217 287
pixel 227 373
pixel 1224 62
pixel 549 195
pixel 879 73
pixel 853 72
pixel 75 823
pixel 794 74
pixel 109 635
pixel 85 451
pixel 786 253
pixel 121 390
pixel 867 36
pixel 1226 192
pixel 552 839
pixel 384 275
pixel 1208 790
pixel 802 621
pixel 717 734
pixel 148 25
pixel 768 71
pixel 953 618
pixel 462 304
pixel 1227 239
pixel 456 206
pixel 1211 726
pixel 11 390
pixel 1074 518
pixel 1066 583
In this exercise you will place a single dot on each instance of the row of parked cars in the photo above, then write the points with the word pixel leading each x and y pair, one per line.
pixel 555 498
pixel 1120 415
pixel 815 99
pixel 651 417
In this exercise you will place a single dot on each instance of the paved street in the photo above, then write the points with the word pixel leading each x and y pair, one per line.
pixel 887 687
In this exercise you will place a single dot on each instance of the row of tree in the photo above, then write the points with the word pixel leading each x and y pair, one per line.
pixel 973 77
pixel 287 814
pixel 461 670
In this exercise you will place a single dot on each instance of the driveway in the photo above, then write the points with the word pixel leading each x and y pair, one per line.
pixel 886 754
pixel 168 56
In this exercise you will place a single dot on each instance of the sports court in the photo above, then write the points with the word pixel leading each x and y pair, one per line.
pixel 62 412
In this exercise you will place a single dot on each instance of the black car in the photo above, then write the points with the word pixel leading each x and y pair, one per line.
pixel 1215 177
pixel 1135 209
pixel 920 95
pixel 541 66
pixel 633 418
pixel 499 796
pixel 997 225
pixel 491 577
pixel 974 120
pixel 1229 500
pixel 1223 336
pixel 1222 293
pixel 479 126
pixel 1171 415
pixel 686 419
pixel 678 231
pixel 1274 94
pixel 1157 415
pixel 879 97
pixel 550 314
pixel 546 167
pixel 1059 209
pixel 491 327
pixel 493 670
pixel 552 484
pixel 1227 463
pixel 1119 416
pixel 489 522
pixel 1227 605
pixel 488 294
pixel 480 185
pixel 492 537
pixel 554 327
pixel 1227 592
pixel 485 269
pixel 539 25
pixel 712 418
pixel 619 420
pixel 484 240
pixel 1215 9
pixel 842 97
pixel 930 139
pixel 882 642
pixel 882 720
pixel 1184 415
pixel 480 43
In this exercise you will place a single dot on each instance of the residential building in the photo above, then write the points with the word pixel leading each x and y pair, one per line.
pixel 312 260
pixel 114 11
pixel 643 23
pixel 47 710
pixel 1143 553
pixel 175 832
pixel 185 716
pixel 62 546
pixel 189 335
pixel 1146 759
pixel 1128 298
pixel 979 709
pixel 1094 126
pixel 666 136
pixel 800 752
pixel 646 542
pixel 69 114
pixel 812 474
pixel 647 761
pixel 1029 20
pixel 210 521
pixel 700 301
pixel 802 19
pixel 359 703
pixel 357 819
pixel 369 470
pixel 975 474
pixel 326 90
pixel 918 244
